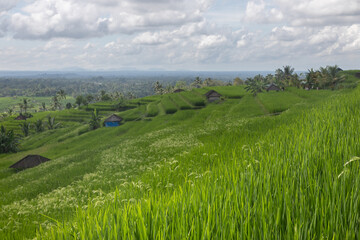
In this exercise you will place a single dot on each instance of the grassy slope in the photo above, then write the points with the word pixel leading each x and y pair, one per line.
pixel 174 167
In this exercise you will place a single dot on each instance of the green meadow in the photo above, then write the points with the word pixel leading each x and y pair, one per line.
pixel 281 165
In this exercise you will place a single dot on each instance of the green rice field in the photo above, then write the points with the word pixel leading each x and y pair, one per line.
pixel 225 170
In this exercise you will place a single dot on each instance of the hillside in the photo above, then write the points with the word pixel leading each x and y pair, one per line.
pixel 278 165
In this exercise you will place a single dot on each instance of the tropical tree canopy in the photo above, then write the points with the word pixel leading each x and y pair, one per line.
pixel 9 142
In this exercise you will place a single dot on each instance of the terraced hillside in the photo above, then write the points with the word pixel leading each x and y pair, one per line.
pixel 229 169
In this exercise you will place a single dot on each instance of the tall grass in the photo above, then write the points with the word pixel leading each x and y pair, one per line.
pixel 294 177
pixel 215 172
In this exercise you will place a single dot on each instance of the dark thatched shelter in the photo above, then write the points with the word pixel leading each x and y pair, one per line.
pixel 113 121
pixel 273 87
pixel 357 74
pixel 29 161
pixel 20 117
pixel 212 95
pixel 179 90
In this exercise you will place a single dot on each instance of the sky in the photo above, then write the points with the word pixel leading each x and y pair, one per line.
pixel 199 35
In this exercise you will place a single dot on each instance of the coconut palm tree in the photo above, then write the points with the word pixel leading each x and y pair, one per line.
pixel 25 128
pixel 25 105
pixel 39 126
pixel 158 88
pixel 255 85
pixel 61 94
pixel 95 120
pixel 51 123
pixel 9 142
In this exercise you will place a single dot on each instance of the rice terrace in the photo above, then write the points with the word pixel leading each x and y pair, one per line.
pixel 176 120
pixel 251 164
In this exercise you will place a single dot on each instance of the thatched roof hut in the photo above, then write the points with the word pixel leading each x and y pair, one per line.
pixel 29 161
pixel 212 95
pixel 20 117
pixel 273 87
pixel 357 74
pixel 113 121
pixel 179 90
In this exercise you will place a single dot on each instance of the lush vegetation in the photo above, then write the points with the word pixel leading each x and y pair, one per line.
pixel 227 170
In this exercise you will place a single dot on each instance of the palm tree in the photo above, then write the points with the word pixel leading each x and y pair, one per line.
pixel 329 77
pixel 9 142
pixel 56 103
pixel 311 78
pixel 39 127
pixel 158 88
pixel 197 82
pixel 95 120
pixel 25 128
pixel 25 104
pixel 255 85
pixel 10 111
pixel 61 93
pixel 51 123
pixel 43 105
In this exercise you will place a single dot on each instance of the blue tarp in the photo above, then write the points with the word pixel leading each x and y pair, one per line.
pixel 112 124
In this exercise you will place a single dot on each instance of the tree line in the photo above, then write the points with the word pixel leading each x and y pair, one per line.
pixel 328 77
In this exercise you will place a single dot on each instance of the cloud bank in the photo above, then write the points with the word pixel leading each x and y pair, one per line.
pixel 177 34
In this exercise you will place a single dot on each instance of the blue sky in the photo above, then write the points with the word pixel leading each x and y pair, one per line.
pixel 179 34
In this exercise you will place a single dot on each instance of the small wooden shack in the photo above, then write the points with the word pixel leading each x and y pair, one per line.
pixel 272 87
pixel 113 121
pixel 29 161
pixel 357 74
pixel 212 95
pixel 20 117
pixel 179 90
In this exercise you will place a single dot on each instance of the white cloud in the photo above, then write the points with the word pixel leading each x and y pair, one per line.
pixel 258 11
pixel 212 41
pixel 6 5
pixel 44 19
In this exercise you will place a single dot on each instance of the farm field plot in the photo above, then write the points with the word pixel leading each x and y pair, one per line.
pixel 194 98
pixel 226 170
pixel 152 109
pixel 276 102
pixel 34 102
pixel 168 105
pixel 181 102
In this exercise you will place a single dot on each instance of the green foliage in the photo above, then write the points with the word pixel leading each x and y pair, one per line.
pixel 238 81
pixel 9 142
pixel 255 85
pixel 39 126
pixel 25 128
pixel 94 122
pixel 51 124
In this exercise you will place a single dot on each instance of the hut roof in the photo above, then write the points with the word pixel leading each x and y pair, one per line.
pixel 179 90
pixel 20 117
pixel 357 74
pixel 29 161
pixel 272 86
pixel 113 118
pixel 212 93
